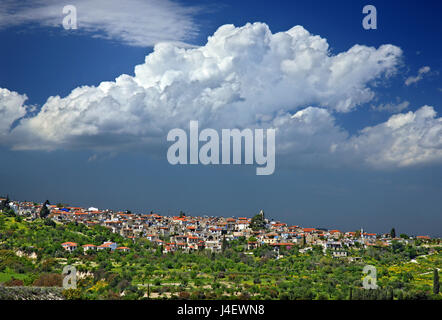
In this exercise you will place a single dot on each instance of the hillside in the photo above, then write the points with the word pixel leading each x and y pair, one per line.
pixel 31 256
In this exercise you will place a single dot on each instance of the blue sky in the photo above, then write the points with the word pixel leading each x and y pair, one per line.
pixel 375 188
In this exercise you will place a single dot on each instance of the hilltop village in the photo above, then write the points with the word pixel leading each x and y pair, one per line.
pixel 191 233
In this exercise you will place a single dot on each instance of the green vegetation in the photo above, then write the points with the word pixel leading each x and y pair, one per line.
pixel 393 233
pixel 4 205
pixel 31 256
pixel 258 222
pixel 44 212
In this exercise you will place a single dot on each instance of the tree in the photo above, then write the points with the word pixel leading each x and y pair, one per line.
pixel 182 214
pixel 390 294
pixel 44 212
pixel 159 251
pixel 224 244
pixel 258 222
pixel 436 282
pixel 393 233
pixel 49 222
pixel 5 204
pixel 252 239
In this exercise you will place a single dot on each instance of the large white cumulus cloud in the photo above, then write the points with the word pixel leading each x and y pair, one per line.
pixel 243 77
pixel 11 109
pixel 312 137
pixel 405 139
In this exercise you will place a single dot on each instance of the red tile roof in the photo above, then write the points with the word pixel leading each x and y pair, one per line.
pixel 72 244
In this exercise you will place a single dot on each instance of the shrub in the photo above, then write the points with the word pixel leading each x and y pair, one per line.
pixel 14 283
pixel 72 294
pixel 184 295
pixel 49 280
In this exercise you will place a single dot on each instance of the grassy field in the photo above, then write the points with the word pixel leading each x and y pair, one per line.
pixel 6 276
